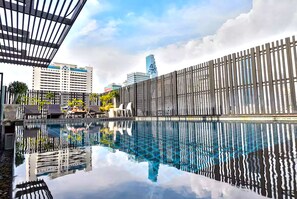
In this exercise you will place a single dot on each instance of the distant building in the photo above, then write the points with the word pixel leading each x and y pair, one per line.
pixel 151 67
pixel 58 162
pixel 63 77
pixel 112 87
pixel 136 77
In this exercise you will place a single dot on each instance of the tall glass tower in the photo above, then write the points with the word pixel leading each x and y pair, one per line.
pixel 151 67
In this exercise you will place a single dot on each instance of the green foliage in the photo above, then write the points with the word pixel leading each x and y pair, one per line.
pixel 41 103
pixel 49 96
pixel 114 93
pixel 19 156
pixel 106 137
pixel 93 97
pixel 106 100
pixel 25 100
pixel 18 89
pixel 76 102
pixel 34 100
pixel 106 107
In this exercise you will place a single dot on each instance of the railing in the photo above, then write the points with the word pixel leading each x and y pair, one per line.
pixel 61 98
pixel 258 81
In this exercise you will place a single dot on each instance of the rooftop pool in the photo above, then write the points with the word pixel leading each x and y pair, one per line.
pixel 171 160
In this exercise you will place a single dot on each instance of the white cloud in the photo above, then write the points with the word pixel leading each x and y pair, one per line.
pixel 110 64
pixel 91 26
pixel 266 21
pixel 16 73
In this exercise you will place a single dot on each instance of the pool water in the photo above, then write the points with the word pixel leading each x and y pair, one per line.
pixel 131 159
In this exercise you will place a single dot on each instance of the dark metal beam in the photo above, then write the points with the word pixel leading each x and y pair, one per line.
pixel 40 14
pixel 15 30
pixel 23 63
pixel 29 41
pixel 24 57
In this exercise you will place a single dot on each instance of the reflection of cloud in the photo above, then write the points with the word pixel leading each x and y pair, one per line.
pixel 209 188
pixel 115 176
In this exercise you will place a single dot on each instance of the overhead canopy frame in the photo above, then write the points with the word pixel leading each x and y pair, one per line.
pixel 32 31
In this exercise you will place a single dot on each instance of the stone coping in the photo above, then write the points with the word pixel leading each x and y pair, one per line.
pixel 238 118
pixel 74 120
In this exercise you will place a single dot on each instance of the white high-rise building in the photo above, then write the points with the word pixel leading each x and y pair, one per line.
pixel 63 77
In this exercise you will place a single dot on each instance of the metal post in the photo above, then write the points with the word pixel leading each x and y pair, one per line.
pixel 1 97
pixel 212 88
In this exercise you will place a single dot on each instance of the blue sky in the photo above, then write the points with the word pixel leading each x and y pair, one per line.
pixel 115 36
pixel 141 25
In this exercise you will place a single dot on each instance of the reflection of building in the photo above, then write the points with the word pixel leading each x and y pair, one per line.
pixel 112 87
pixel 136 77
pixel 63 77
pixel 153 171
pixel 58 163
pixel 53 137
pixel 151 68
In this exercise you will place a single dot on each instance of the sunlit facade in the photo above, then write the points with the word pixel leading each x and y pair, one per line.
pixel 63 77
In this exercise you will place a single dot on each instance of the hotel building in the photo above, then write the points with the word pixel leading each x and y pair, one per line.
pixel 58 163
pixel 63 77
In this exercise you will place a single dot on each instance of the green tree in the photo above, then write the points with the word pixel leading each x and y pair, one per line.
pixel 18 89
pixel 106 100
pixel 49 96
pixel 93 97
pixel 76 102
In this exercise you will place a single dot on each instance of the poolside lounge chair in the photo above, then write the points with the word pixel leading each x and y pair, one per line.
pixel 31 110
pixel 94 111
pixel 120 110
pixel 128 110
pixel 54 110
pixel 115 112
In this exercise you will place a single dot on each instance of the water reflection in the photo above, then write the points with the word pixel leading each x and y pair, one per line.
pixel 258 157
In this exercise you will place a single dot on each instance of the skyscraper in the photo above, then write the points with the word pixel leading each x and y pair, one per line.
pixel 133 78
pixel 151 67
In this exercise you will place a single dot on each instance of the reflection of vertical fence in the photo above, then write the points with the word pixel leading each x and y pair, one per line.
pixel 260 80
pixel 33 189
pixel 260 157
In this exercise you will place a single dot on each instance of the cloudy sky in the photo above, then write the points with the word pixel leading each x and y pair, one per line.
pixel 115 36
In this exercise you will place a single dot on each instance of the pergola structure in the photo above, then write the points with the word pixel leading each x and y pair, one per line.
pixel 32 31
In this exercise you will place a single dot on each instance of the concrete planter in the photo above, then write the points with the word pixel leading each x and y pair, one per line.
pixel 10 111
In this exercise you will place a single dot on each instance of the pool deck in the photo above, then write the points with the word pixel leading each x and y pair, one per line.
pixel 225 118
pixel 69 120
